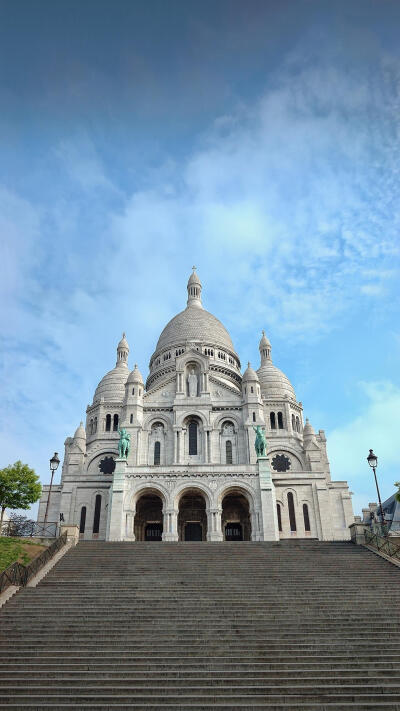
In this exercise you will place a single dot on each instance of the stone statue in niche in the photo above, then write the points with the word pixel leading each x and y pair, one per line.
pixel 192 383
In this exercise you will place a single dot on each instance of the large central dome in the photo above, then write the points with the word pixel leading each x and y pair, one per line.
pixel 194 328
pixel 194 324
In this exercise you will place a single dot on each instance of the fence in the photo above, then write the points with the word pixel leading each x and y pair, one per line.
pixel 383 544
pixel 29 529
pixel 18 574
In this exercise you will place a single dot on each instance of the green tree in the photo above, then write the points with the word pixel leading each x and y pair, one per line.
pixel 397 495
pixel 19 488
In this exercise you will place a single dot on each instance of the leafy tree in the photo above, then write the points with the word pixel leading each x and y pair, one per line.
pixel 19 488
pixel 397 495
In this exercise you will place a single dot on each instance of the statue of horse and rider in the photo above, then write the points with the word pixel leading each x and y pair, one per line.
pixel 261 443
pixel 124 443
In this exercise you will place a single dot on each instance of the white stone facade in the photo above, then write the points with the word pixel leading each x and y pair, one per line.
pixel 192 472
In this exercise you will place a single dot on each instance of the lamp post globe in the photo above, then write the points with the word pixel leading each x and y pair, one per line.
pixel 54 462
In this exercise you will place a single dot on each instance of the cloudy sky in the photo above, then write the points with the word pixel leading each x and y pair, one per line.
pixel 258 140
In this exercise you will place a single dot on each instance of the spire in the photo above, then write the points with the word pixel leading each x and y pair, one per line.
pixel 308 432
pixel 265 349
pixel 122 352
pixel 194 290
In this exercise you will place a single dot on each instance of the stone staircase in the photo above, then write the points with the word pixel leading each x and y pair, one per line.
pixel 292 625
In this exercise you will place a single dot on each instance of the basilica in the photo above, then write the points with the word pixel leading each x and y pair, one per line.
pixel 192 472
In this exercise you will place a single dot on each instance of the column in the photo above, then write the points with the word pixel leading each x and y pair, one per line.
pixel 115 522
pixel 182 445
pixel 269 516
pixel 130 518
pixel 170 525
pixel 214 524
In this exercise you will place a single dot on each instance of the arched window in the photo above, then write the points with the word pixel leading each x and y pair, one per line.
pixel 228 448
pixel 131 419
pixel 306 518
pixel 91 427
pixel 115 423
pixel 133 391
pixel 292 515
pixel 193 438
pixel 108 423
pixel 293 423
pixel 272 420
pixel 252 389
pixel 297 424
pixel 83 520
pixel 97 509
pixel 95 424
pixel 254 416
pixel 157 452
pixel 279 514
pixel 280 420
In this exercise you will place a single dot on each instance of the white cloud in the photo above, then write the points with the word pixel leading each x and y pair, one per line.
pixel 376 427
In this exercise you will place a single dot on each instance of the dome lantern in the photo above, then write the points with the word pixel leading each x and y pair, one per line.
pixel 194 290
pixel 265 349
pixel 122 352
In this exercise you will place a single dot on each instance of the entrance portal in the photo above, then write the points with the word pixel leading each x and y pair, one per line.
pixel 236 524
pixel 192 517
pixel 153 532
pixel 233 532
pixel 193 532
pixel 148 525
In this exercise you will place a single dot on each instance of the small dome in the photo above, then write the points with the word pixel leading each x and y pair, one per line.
pixel 135 376
pixel 112 386
pixel 123 343
pixel 80 432
pixel 249 374
pixel 273 382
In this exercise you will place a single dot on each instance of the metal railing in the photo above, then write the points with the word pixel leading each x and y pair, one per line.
pixel 383 544
pixel 29 529
pixel 18 574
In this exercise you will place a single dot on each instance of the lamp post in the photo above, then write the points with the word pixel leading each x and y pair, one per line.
pixel 372 460
pixel 54 462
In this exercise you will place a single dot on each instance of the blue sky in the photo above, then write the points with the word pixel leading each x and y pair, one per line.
pixel 259 141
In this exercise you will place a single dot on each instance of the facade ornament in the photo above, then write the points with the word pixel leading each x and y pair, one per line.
pixel 124 443
pixel 260 443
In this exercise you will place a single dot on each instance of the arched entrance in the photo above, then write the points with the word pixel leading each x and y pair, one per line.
pixel 236 524
pixel 148 524
pixel 192 517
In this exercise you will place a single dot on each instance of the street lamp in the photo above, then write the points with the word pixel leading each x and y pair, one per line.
pixel 54 462
pixel 372 460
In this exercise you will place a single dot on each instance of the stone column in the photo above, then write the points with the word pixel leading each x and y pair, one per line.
pixel 115 522
pixel 170 525
pixel 214 524
pixel 182 445
pixel 324 511
pixel 256 531
pixel 129 520
pixel 269 516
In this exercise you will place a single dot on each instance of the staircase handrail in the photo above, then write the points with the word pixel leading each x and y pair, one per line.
pixel 383 544
pixel 19 574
